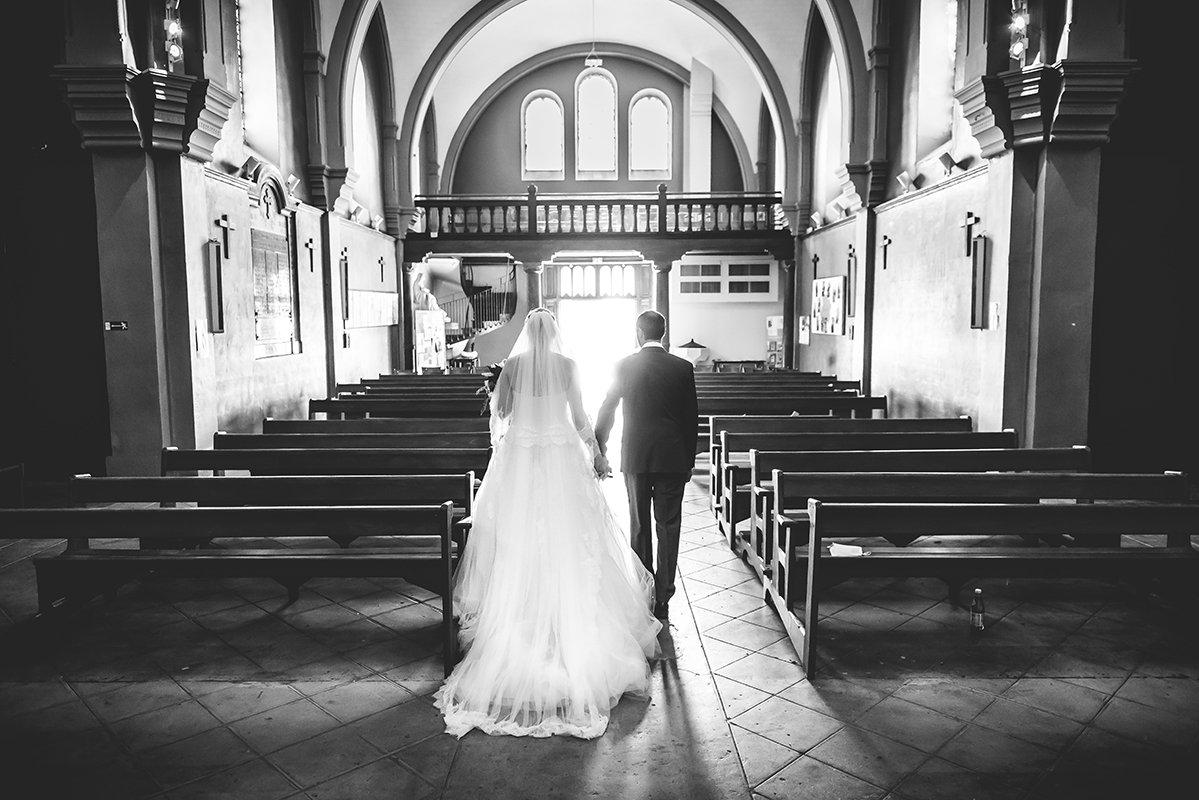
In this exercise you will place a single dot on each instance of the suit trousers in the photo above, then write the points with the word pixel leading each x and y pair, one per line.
pixel 664 490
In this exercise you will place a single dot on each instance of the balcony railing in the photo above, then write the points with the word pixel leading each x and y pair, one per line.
pixel 640 213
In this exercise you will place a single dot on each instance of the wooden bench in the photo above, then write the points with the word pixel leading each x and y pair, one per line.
pixel 420 545
pixel 1175 522
pixel 322 490
pixel 760 549
pixel 843 405
pixel 810 424
pixel 736 490
pixel 12 486
pixel 399 407
pixel 389 441
pixel 318 461
pixel 379 425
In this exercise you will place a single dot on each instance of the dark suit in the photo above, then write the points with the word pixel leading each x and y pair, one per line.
pixel 657 451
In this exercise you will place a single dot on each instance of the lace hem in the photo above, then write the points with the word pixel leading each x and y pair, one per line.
pixel 459 722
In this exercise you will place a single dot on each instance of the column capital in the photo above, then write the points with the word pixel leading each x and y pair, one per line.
pixel 213 114
pixel 1089 99
pixel 101 104
pixel 1031 93
pixel 532 267
pixel 663 267
pixel 168 106
pixel 985 108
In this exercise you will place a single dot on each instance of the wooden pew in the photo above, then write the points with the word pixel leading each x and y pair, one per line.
pixel 762 551
pixel 12 486
pixel 844 405
pixel 810 424
pixel 321 490
pixel 276 441
pixel 735 489
pixel 393 390
pixel 317 461
pixel 379 425
pixel 399 407
pixel 1177 522
pixel 420 537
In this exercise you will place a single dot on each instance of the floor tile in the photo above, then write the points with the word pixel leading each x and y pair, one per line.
pixel 760 757
pixel 912 724
pixel 1176 695
pixel 938 779
pixel 163 726
pixel 240 700
pixel 869 756
pixel 272 730
pixel 762 672
pixel 325 756
pixel 1146 724
pixel 352 701
pixel 1029 724
pixel 1060 697
pixel 198 757
pixel 254 780
pixel 400 726
pixel 1008 759
pixel 840 699
pixel 135 698
pixel 813 780
pixel 947 696
pixel 745 634
pixel 788 724
pixel 383 777
pixel 737 697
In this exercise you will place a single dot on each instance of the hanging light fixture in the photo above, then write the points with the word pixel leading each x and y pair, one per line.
pixel 593 60
pixel 174 33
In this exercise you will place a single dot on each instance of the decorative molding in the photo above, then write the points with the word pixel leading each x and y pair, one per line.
pixel 211 119
pixel 985 108
pixel 400 219
pixel 340 183
pixel 101 104
pixel 1089 99
pixel 855 180
pixel 1031 94
pixel 166 108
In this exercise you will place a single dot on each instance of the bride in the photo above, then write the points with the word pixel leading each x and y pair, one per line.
pixel 554 606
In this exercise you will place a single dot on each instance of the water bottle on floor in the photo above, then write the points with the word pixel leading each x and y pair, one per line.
pixel 977 609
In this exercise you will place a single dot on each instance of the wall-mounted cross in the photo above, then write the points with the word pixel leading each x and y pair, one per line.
pixel 886 243
pixel 851 272
pixel 310 246
pixel 382 265
pixel 226 227
pixel 971 220
pixel 815 265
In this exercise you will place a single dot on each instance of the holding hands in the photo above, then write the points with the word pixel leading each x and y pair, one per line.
pixel 602 468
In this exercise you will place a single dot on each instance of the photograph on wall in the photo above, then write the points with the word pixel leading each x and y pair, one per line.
pixel 828 306
pixel 803 329
pixel 429 334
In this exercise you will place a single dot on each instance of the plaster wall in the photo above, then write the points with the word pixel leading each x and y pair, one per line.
pixel 927 359
pixel 839 356
pixel 371 351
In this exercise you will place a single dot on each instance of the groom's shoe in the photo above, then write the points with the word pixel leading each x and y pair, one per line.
pixel 661 611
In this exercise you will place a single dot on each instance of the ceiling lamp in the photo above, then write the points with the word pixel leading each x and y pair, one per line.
pixel 593 60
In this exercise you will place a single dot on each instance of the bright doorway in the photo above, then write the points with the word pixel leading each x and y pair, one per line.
pixel 599 332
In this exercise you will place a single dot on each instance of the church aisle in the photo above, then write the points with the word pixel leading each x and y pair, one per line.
pixel 200 689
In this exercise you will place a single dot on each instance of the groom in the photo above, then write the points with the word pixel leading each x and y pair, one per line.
pixel 657 447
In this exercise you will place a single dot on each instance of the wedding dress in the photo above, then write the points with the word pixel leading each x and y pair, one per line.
pixel 554 607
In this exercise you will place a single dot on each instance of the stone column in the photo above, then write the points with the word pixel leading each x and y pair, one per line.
pixel 136 126
pixel 532 283
pixel 662 295
pixel 787 277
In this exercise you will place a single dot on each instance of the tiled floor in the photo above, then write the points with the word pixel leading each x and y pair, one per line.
pixel 197 689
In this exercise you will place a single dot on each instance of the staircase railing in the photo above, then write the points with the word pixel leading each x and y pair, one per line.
pixel 488 307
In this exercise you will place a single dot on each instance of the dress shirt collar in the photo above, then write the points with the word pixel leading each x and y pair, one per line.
pixel 652 343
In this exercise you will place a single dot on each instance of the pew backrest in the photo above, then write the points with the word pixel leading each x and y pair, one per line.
pixel 844 404
pixel 314 461
pixel 399 407
pixel 275 441
pixel 378 425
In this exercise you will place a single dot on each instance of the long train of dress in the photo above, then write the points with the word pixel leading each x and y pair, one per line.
pixel 554 606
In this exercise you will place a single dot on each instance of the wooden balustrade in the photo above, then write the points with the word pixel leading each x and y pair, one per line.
pixel 590 214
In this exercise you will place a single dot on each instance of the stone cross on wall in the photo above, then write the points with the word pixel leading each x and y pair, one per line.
pixel 971 220
pixel 226 227
pixel 887 241
pixel 815 265
pixel 310 246
pixel 382 266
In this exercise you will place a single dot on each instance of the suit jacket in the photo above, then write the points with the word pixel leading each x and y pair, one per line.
pixel 661 422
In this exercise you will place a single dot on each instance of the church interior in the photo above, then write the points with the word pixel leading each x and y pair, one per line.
pixel 890 235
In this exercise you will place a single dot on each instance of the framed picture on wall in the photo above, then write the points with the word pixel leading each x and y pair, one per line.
pixel 803 329
pixel 828 306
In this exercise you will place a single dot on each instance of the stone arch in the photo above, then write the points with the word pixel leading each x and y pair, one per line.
pixel 710 10
pixel 360 20
pixel 576 52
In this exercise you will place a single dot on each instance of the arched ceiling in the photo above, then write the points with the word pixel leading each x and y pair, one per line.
pixel 510 32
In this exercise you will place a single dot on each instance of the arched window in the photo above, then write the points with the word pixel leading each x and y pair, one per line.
pixel 650 133
pixel 595 125
pixel 541 148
